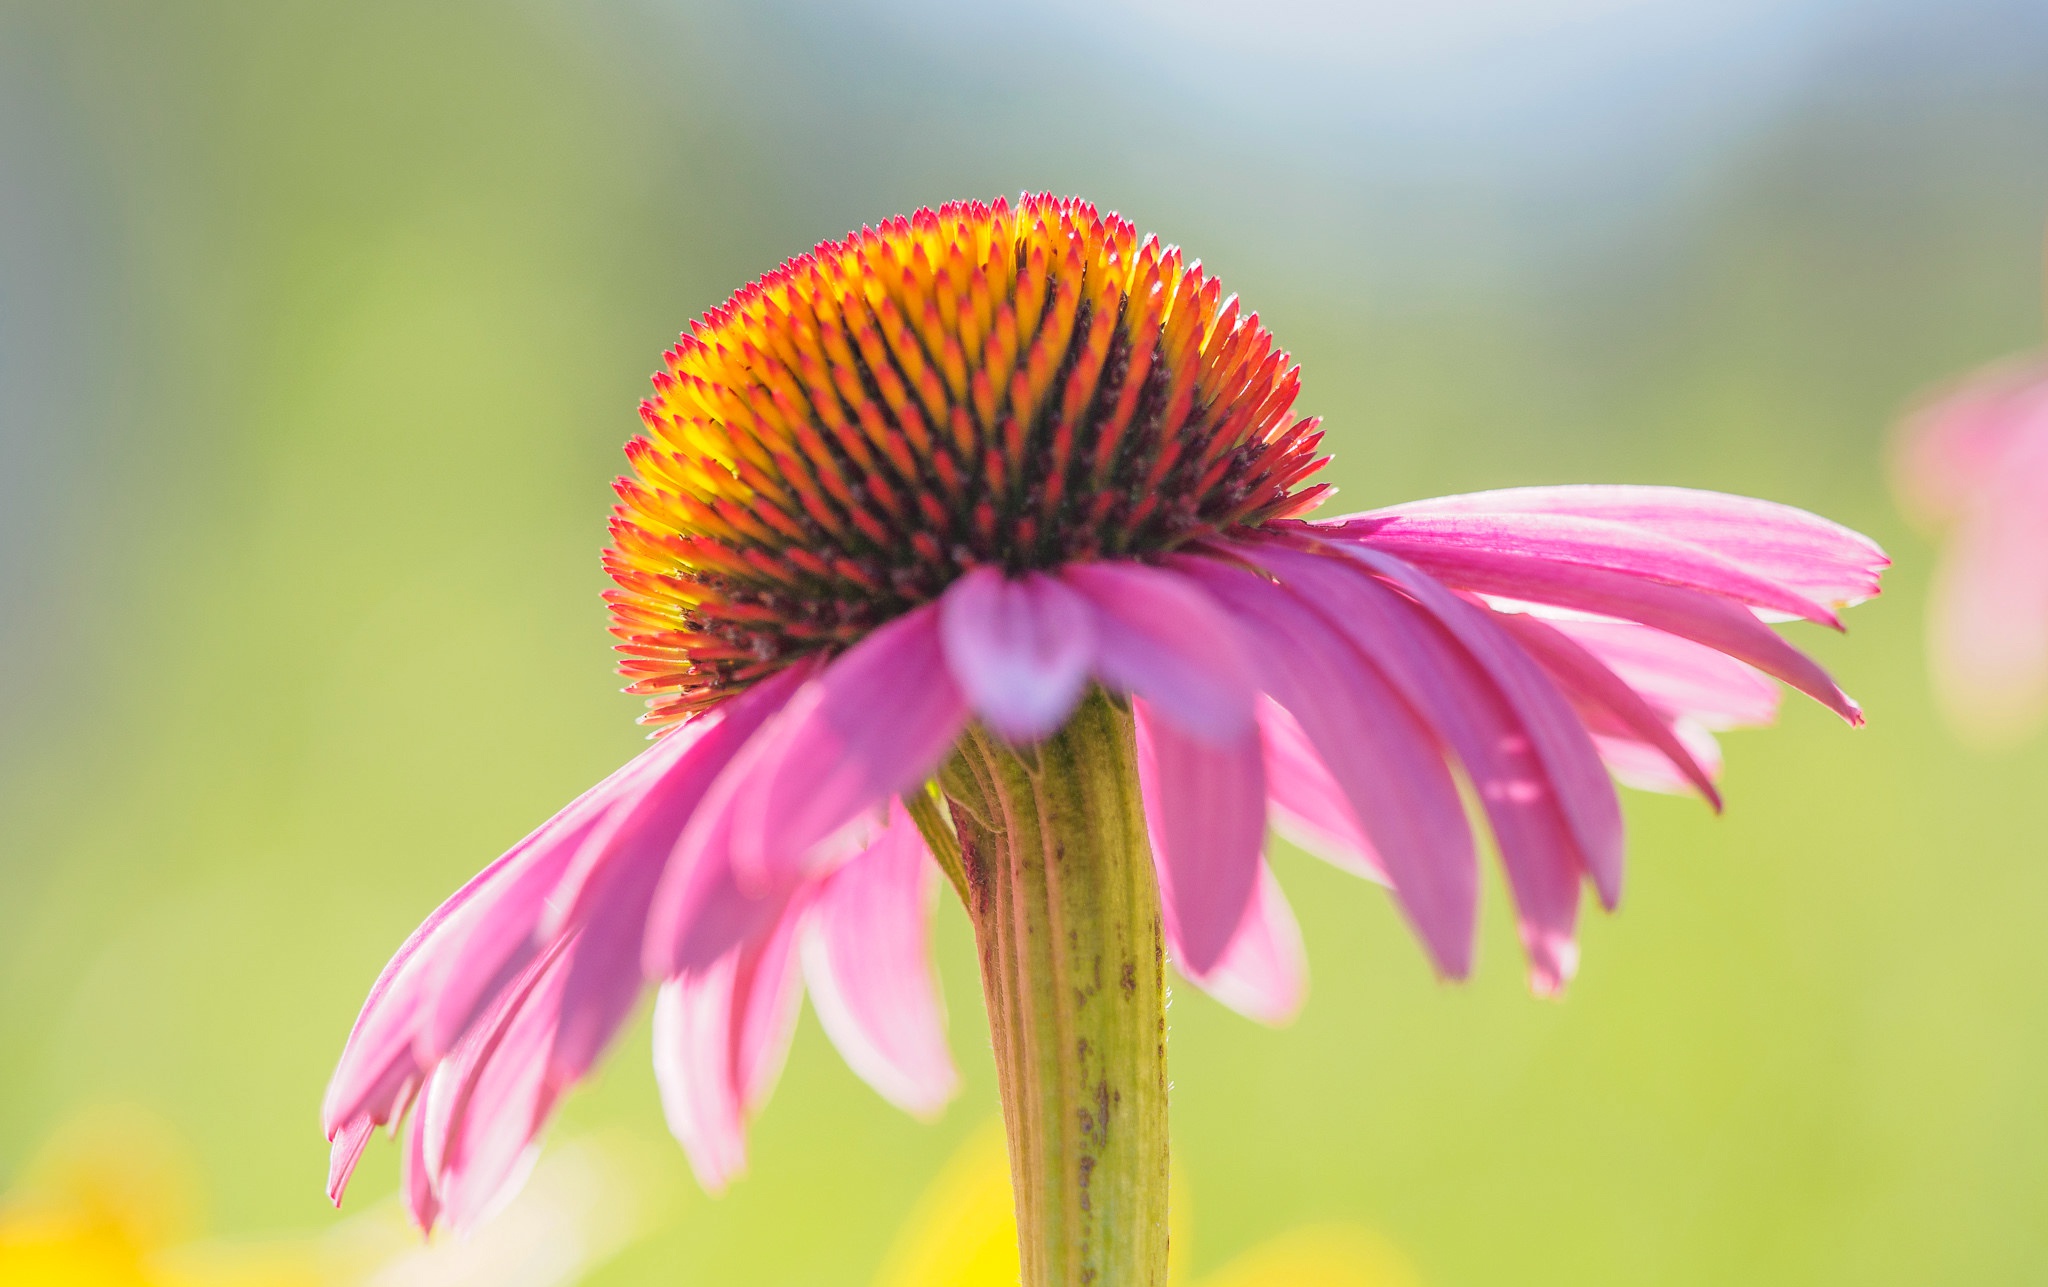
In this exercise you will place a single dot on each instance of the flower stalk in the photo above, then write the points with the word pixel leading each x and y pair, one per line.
pixel 1065 907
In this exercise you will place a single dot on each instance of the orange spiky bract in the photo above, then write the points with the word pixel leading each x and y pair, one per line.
pixel 841 439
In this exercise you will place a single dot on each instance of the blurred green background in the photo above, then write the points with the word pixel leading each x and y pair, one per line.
pixel 321 327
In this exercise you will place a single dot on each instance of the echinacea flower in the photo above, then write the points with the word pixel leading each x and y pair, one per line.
pixel 1973 462
pixel 979 538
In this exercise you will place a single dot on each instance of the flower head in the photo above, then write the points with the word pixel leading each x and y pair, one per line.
pixel 1973 463
pixel 976 386
pixel 948 480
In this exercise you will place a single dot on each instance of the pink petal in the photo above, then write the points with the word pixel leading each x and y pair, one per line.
pixel 489 943
pixel 1640 765
pixel 866 951
pixel 463 955
pixel 487 1104
pixel 1690 614
pixel 379 1066
pixel 642 825
pixel 720 1035
pixel 608 890
pixel 1021 650
pixel 1556 738
pixel 1591 685
pixel 1522 798
pixel 700 913
pixel 347 1150
pixel 1157 635
pixel 1389 764
pixel 770 993
pixel 1677 676
pixel 1263 973
pixel 416 1178
pixel 875 723
pixel 1590 542
pixel 693 1067
pixel 1798 551
pixel 1205 805
pixel 1305 804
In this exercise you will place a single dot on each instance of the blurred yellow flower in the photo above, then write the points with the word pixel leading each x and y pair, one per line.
pixel 963 1233
pixel 110 1202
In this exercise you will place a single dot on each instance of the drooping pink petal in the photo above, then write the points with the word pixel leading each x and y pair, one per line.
pixel 416 1177
pixel 458 960
pixel 1590 542
pixel 693 1068
pixel 866 951
pixel 346 1151
pixel 1690 614
pixel 1636 763
pixel 873 724
pixel 377 1068
pixel 1159 636
pixel 720 1035
pixel 1797 551
pixel 769 994
pixel 490 942
pixel 610 886
pixel 1592 686
pixel 642 825
pixel 1021 649
pixel 1677 676
pixel 1439 675
pixel 1305 804
pixel 700 913
pixel 1205 805
pixel 1263 973
pixel 487 1104
pixel 1388 762
pixel 1557 739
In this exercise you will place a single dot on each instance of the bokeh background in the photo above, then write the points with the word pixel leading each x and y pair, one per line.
pixel 321 327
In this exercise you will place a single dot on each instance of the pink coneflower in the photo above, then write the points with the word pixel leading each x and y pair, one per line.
pixel 974 545
pixel 1974 462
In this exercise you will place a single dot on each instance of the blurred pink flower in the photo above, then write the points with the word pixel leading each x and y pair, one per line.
pixel 1323 676
pixel 1973 463
pixel 969 466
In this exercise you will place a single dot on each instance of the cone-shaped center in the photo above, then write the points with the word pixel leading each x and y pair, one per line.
pixel 978 385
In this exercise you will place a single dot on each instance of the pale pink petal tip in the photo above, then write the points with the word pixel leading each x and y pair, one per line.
pixel 1022 650
pixel 867 961
pixel 720 1038
pixel 347 1150
pixel 1553 960
pixel 1263 973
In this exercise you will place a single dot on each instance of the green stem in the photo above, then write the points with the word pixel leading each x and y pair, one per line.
pixel 1065 907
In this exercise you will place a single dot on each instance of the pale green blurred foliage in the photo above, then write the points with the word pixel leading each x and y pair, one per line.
pixel 339 316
